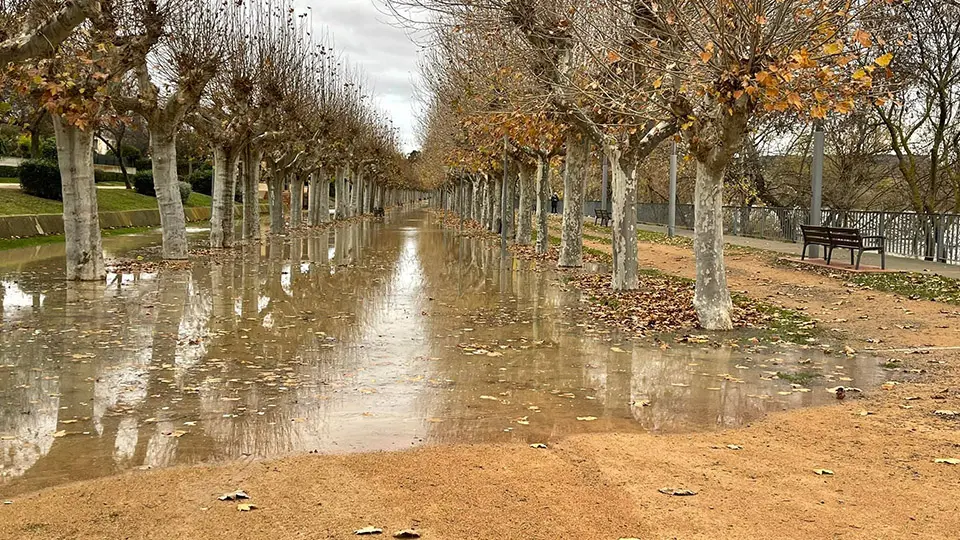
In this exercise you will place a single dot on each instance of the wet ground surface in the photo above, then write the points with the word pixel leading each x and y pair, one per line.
pixel 371 336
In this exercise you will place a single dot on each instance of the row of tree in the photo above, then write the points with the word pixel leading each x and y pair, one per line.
pixel 249 78
pixel 515 83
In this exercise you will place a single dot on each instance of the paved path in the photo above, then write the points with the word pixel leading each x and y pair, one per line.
pixel 893 262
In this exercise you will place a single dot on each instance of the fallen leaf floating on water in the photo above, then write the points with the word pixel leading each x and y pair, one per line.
pixel 823 472
pixel 617 350
pixel 368 530
pixel 406 533
pixel 677 492
pixel 234 496
pixel 946 413
pixel 246 507
pixel 61 433
pixel 538 445
pixel 586 418
pixel 490 398
pixel 734 447
pixel 948 461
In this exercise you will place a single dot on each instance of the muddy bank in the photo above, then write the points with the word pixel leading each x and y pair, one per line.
pixel 885 485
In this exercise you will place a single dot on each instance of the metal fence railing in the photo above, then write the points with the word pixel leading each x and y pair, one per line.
pixel 923 236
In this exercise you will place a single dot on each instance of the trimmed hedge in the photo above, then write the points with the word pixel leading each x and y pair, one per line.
pixel 143 183
pixel 185 191
pixel 201 180
pixel 7 171
pixel 104 176
pixel 41 178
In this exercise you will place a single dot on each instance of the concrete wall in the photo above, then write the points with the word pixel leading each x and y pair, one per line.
pixel 46 224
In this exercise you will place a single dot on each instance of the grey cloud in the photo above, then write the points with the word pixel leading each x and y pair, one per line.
pixel 384 52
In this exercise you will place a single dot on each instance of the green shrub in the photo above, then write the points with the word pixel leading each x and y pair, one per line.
pixel 40 178
pixel 7 171
pixel 202 181
pixel 105 176
pixel 185 191
pixel 48 148
pixel 143 183
pixel 131 154
pixel 142 164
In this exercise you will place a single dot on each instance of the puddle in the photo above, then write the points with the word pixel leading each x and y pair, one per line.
pixel 374 336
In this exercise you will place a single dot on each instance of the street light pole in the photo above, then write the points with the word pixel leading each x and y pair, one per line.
pixel 816 217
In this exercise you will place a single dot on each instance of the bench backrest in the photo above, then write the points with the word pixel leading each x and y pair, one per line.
pixel 601 213
pixel 835 236
pixel 845 237
pixel 814 234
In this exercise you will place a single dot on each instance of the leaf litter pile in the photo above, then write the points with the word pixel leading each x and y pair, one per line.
pixel 661 304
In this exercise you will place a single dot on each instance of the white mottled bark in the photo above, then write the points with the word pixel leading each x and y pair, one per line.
pixel 543 205
pixel 251 193
pixel 81 220
pixel 296 200
pixel 323 187
pixel 341 194
pixel 524 227
pixel 571 237
pixel 496 189
pixel 476 199
pixel 312 201
pixel 225 160
pixel 173 223
pixel 275 193
pixel 624 222
pixel 509 206
pixel 712 297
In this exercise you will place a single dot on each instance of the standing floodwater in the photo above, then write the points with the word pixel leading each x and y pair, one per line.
pixel 372 336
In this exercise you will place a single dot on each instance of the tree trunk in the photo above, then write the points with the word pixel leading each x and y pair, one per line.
pixel 251 193
pixel 225 159
pixel 509 206
pixel 711 298
pixel 312 202
pixel 524 228
pixel 323 196
pixel 476 198
pixel 173 223
pixel 275 187
pixel 296 200
pixel 341 188
pixel 81 220
pixel 543 205
pixel 496 191
pixel 624 222
pixel 487 205
pixel 571 238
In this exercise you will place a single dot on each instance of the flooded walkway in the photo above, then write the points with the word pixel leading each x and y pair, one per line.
pixel 371 336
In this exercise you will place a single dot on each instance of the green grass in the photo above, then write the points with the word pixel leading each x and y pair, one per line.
pixel 803 378
pixel 14 243
pixel 115 200
pixel 9 180
pixel 199 199
pixel 14 202
pixel 912 285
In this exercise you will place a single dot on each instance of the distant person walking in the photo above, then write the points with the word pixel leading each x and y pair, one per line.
pixel 554 200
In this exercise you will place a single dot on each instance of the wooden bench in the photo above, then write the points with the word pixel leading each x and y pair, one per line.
pixel 378 211
pixel 844 238
pixel 602 216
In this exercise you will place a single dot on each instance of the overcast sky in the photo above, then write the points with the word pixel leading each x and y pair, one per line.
pixel 363 34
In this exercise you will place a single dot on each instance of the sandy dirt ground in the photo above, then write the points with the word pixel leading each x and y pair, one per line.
pixel 881 448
